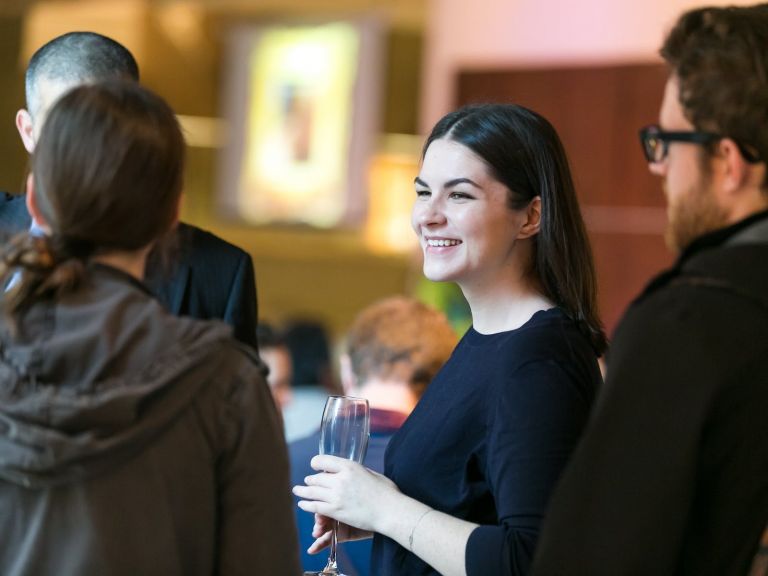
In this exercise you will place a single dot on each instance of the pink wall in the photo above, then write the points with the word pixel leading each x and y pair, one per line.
pixel 496 33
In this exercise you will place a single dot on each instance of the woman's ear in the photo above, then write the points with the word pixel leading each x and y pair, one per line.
pixel 533 219
pixel 32 207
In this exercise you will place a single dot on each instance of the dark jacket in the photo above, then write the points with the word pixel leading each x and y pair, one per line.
pixel 671 477
pixel 135 442
pixel 202 276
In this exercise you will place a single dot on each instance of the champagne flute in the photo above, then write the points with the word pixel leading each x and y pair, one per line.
pixel 344 432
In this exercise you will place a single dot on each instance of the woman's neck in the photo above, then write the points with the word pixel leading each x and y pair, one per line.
pixel 131 262
pixel 503 306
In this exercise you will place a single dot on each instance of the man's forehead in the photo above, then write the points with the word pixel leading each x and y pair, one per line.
pixel 671 114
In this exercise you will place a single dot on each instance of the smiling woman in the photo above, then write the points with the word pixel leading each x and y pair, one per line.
pixel 467 233
pixel 469 475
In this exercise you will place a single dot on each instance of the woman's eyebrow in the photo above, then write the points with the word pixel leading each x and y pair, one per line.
pixel 450 183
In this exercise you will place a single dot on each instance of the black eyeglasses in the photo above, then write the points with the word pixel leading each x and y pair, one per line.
pixel 655 142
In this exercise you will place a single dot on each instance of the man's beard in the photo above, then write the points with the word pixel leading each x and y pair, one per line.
pixel 692 216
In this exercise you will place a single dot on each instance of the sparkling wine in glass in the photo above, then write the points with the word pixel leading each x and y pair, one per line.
pixel 344 433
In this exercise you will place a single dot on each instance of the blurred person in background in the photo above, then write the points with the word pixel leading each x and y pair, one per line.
pixel 276 355
pixel 313 379
pixel 133 441
pixel 393 350
pixel 191 271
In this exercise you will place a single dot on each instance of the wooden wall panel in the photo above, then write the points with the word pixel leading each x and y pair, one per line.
pixel 598 111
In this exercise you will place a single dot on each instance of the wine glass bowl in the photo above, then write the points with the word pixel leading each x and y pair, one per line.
pixel 344 432
pixel 345 428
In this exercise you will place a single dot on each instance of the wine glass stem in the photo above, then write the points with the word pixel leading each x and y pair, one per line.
pixel 331 567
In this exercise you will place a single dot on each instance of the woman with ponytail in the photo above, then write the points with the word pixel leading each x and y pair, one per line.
pixel 131 441
pixel 469 474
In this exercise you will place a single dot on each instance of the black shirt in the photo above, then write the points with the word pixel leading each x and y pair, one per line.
pixel 489 438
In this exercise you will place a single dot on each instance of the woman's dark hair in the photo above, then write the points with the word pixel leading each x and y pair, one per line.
pixel 523 152
pixel 107 177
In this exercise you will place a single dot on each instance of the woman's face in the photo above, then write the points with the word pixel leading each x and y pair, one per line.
pixel 465 228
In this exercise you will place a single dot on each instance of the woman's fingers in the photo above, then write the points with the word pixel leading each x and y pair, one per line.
pixel 318 507
pixel 322 525
pixel 328 463
pixel 346 491
pixel 324 479
pixel 319 544
pixel 323 486
pixel 313 493
pixel 345 533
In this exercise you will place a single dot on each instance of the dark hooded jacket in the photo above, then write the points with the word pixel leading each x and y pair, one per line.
pixel 135 442
pixel 671 477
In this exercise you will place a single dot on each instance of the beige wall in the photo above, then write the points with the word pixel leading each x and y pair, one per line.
pixel 535 33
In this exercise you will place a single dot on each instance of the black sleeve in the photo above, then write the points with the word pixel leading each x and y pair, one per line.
pixel 537 419
pixel 623 502
pixel 242 307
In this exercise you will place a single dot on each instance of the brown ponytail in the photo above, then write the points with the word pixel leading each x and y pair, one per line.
pixel 34 267
pixel 107 178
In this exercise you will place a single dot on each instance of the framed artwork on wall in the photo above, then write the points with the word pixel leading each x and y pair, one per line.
pixel 301 103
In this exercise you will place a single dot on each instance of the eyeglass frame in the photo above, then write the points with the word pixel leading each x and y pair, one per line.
pixel 664 137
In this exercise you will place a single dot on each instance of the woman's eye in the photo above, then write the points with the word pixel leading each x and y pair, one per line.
pixel 461 196
pixel 423 193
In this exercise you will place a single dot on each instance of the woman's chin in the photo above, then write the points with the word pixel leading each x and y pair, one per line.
pixel 438 275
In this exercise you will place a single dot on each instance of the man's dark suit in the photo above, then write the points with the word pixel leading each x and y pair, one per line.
pixel 208 277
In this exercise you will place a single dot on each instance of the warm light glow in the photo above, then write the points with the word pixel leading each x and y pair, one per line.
pixel 183 24
pixel 203 131
pixel 123 20
pixel 388 228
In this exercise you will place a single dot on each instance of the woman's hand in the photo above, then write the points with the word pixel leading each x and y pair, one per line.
pixel 349 493
pixel 322 532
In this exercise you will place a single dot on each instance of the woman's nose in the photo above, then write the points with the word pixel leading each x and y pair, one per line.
pixel 429 212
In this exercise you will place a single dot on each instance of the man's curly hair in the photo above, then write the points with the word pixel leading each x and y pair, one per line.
pixel 720 58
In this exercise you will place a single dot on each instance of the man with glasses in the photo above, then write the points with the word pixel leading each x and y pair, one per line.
pixel 672 474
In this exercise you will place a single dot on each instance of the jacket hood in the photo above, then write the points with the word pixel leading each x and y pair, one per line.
pixel 723 259
pixel 92 378
pixel 731 261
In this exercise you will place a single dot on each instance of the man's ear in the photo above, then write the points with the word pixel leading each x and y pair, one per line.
pixel 730 164
pixel 32 208
pixel 533 219
pixel 25 126
pixel 738 183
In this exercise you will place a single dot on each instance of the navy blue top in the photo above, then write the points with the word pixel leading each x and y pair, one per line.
pixel 354 558
pixel 490 437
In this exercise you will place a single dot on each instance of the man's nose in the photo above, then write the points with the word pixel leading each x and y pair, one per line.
pixel 658 168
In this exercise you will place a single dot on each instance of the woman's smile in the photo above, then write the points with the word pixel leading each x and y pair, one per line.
pixel 467 231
